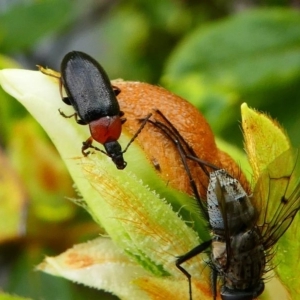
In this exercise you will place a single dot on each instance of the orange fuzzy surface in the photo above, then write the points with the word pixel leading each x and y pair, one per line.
pixel 137 100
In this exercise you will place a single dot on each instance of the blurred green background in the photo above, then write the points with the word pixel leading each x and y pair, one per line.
pixel 217 54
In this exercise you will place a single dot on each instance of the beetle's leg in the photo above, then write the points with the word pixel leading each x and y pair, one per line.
pixel 78 121
pixel 88 144
pixel 70 116
pixel 183 258
pixel 116 90
pixel 66 100
pixel 144 122
pixel 121 114
pixel 49 72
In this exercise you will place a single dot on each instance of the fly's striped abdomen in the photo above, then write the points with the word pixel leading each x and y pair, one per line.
pixel 247 261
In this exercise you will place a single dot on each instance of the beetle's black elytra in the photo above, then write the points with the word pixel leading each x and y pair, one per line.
pixel 89 91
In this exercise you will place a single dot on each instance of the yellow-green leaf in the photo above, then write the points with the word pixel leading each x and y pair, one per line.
pixel 264 139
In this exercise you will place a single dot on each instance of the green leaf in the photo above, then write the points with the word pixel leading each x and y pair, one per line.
pixel 277 197
pixel 238 155
pixel 23 25
pixel 4 296
pixel 252 57
pixel 45 177
pixel 6 62
pixel 276 175
pixel 101 256
pixel 118 200
pixel 264 139
pixel 13 203
pixel 9 110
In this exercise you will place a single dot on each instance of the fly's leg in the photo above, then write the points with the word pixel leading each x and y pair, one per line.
pixel 182 147
pixel 192 253
pixel 214 276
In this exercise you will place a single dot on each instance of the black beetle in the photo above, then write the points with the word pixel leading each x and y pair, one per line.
pixel 90 92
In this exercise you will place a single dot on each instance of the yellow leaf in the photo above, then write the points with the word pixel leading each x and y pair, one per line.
pixel 264 139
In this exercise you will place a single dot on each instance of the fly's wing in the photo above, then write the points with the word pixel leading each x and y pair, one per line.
pixel 229 207
pixel 232 201
pixel 222 209
pixel 277 195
